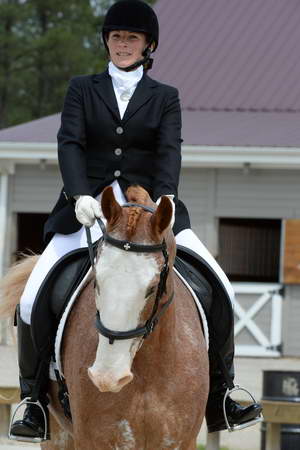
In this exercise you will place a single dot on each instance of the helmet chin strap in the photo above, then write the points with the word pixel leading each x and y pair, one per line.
pixel 146 60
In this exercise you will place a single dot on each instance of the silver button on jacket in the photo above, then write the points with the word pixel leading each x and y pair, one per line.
pixel 119 130
pixel 117 173
pixel 118 151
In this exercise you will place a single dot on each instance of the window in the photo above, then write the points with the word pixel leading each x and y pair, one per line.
pixel 249 249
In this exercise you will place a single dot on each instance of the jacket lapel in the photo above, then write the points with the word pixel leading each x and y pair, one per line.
pixel 141 95
pixel 104 88
pixel 143 92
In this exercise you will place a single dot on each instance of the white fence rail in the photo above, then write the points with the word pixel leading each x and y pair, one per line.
pixel 268 341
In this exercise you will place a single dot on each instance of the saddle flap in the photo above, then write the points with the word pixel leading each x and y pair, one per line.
pixel 53 295
pixel 221 319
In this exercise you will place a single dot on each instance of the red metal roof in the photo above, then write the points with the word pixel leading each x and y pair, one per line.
pixel 234 128
pixel 199 128
pixel 231 55
pixel 236 64
pixel 39 130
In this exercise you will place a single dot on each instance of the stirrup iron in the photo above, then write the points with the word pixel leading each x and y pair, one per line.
pixel 247 424
pixel 35 440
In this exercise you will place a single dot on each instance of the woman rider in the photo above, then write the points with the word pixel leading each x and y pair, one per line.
pixel 118 128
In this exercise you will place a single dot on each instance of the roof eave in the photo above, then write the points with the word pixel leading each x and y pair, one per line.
pixel 239 156
pixel 28 152
pixel 193 156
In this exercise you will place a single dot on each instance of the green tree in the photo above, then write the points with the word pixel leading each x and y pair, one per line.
pixel 42 45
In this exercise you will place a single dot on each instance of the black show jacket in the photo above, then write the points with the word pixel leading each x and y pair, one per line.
pixel 96 146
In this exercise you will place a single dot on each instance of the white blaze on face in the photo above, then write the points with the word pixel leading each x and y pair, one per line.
pixel 123 278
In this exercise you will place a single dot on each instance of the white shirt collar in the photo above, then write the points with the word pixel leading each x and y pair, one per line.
pixel 125 80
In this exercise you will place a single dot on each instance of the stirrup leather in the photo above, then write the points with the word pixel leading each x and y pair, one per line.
pixel 247 424
pixel 28 401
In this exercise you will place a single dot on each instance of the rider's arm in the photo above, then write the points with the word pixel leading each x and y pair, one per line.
pixel 71 140
pixel 168 151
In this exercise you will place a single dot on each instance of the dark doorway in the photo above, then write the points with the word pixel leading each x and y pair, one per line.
pixel 30 232
pixel 249 249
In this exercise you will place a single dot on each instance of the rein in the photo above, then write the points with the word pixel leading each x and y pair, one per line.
pixel 129 246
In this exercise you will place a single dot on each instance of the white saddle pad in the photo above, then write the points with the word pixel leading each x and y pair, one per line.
pixel 60 330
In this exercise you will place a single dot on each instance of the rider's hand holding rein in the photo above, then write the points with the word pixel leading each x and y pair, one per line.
pixel 87 209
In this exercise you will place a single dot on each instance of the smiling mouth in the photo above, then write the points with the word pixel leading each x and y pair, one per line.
pixel 123 54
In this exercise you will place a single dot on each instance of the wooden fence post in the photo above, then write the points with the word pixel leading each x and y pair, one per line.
pixel 273 436
pixel 4 419
pixel 213 441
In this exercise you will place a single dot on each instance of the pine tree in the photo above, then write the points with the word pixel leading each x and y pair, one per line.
pixel 42 45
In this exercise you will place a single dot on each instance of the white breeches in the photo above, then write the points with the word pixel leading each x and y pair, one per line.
pixel 62 244
pixel 188 239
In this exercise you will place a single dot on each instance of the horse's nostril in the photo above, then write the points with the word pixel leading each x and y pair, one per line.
pixel 125 380
pixel 90 373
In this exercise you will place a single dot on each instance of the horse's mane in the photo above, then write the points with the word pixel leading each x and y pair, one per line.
pixel 135 194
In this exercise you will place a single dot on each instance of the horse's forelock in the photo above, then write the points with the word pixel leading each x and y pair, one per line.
pixel 135 194
pixel 133 218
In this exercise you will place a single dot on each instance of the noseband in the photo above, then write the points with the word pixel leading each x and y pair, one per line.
pixel 128 246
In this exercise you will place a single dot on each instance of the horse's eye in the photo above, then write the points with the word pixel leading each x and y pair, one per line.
pixel 149 292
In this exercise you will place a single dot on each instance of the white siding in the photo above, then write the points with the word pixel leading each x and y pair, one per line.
pixel 208 194
pixel 35 189
pixel 259 194
pixel 265 194
pixel 197 191
pixel 213 193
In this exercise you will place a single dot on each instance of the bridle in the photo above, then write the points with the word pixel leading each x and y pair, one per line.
pixel 128 246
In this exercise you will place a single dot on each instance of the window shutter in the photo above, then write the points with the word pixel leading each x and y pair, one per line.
pixel 291 253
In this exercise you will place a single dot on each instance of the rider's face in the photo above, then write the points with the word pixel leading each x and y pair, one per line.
pixel 125 47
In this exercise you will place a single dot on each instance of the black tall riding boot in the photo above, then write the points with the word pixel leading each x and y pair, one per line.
pixel 33 384
pixel 218 308
pixel 221 378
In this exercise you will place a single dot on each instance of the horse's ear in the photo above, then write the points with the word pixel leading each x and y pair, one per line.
pixel 162 217
pixel 110 207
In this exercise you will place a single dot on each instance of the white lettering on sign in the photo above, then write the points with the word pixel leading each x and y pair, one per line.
pixel 290 386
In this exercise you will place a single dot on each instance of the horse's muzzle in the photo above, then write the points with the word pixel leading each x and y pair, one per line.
pixel 108 382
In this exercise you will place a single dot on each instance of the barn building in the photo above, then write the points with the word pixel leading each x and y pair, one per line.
pixel 237 68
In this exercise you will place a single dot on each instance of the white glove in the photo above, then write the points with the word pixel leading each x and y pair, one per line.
pixel 171 197
pixel 87 209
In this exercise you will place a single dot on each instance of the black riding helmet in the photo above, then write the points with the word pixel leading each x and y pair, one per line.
pixel 133 15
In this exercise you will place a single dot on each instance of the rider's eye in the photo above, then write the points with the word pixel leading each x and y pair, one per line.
pixel 149 292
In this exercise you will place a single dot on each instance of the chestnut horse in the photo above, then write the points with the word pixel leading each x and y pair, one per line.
pixel 125 395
